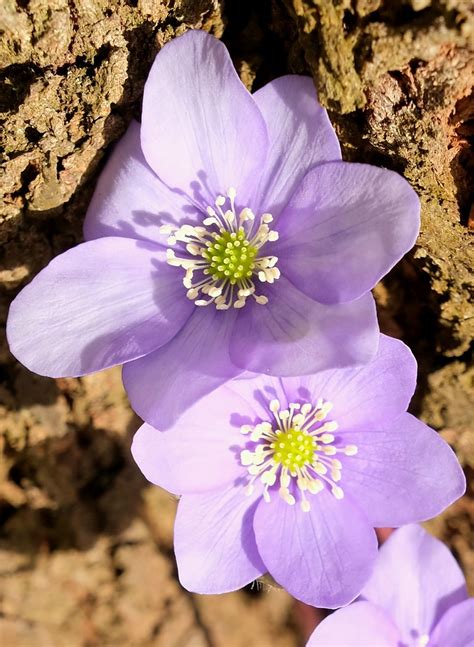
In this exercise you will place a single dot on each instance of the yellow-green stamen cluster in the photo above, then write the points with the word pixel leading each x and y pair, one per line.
pixel 231 257
pixel 298 450
pixel 293 448
pixel 224 254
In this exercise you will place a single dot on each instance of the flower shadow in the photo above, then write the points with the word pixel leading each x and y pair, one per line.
pixel 247 536
pixel 448 601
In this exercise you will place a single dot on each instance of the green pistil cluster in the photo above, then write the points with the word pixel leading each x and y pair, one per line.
pixel 231 257
pixel 293 448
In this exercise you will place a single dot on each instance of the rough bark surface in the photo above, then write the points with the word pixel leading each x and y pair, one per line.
pixel 86 546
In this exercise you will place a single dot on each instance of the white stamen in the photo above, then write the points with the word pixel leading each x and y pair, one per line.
pixel 295 453
pixel 246 457
pixel 223 253
pixel 274 406
pixel 350 450
pixel 337 491
pixel 305 505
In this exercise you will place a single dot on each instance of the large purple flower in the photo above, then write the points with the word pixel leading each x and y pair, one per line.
pixel 290 476
pixel 225 233
pixel 416 597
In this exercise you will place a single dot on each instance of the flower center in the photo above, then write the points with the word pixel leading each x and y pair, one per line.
pixel 294 448
pixel 222 257
pixel 231 257
pixel 297 450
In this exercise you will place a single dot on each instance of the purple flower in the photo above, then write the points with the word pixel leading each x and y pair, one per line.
pixel 417 597
pixel 290 476
pixel 219 239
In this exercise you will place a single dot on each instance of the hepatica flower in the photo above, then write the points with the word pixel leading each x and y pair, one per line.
pixel 416 597
pixel 225 234
pixel 290 475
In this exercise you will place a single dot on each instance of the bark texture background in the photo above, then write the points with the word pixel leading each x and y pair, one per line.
pixel 86 546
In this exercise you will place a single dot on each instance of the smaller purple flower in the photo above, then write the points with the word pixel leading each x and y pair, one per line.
pixel 290 476
pixel 417 597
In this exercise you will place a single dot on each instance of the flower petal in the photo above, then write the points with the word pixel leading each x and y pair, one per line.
pixel 416 580
pixel 456 627
pixel 402 474
pixel 294 335
pixel 361 624
pixel 344 228
pixel 364 397
pixel 322 557
pixel 99 304
pixel 130 200
pixel 165 383
pixel 300 136
pixel 200 452
pixel 214 541
pixel 201 129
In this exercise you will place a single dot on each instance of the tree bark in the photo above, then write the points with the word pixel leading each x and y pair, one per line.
pixel 86 545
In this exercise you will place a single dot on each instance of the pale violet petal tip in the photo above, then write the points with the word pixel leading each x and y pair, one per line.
pixel 300 137
pixel 202 131
pixel 402 473
pixel 99 304
pixel 361 624
pixel 416 580
pixel 344 228
pixel 323 557
pixel 214 542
